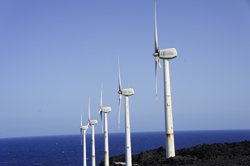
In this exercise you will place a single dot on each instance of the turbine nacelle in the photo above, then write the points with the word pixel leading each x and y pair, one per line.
pixel 106 109
pixel 93 122
pixel 84 127
pixel 169 53
pixel 127 92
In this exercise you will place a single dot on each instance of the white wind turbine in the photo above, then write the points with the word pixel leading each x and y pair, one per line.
pixel 126 93
pixel 84 128
pixel 166 54
pixel 92 123
pixel 105 110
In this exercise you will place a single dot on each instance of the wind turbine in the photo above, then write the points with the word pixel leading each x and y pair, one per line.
pixel 126 93
pixel 105 110
pixel 92 123
pixel 166 54
pixel 84 128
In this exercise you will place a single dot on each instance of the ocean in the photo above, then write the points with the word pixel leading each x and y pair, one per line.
pixel 67 150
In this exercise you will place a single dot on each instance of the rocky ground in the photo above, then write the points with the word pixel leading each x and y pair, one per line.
pixel 228 154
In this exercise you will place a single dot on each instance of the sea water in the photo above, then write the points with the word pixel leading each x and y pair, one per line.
pixel 67 150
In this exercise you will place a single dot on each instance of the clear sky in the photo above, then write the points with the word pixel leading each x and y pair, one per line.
pixel 54 56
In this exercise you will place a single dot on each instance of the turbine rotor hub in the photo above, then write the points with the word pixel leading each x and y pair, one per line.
pixel 156 54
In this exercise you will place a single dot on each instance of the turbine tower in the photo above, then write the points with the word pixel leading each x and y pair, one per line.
pixel 126 93
pixel 84 128
pixel 165 54
pixel 105 110
pixel 92 123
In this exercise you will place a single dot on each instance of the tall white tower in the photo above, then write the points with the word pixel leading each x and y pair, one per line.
pixel 166 54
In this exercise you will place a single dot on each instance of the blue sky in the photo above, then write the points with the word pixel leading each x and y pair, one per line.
pixel 54 56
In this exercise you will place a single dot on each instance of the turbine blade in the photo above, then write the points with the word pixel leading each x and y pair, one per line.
pixel 101 98
pixel 81 136
pixel 100 112
pixel 119 114
pixel 120 93
pixel 89 111
pixel 81 119
pixel 156 70
pixel 156 36
pixel 120 85
pixel 159 62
